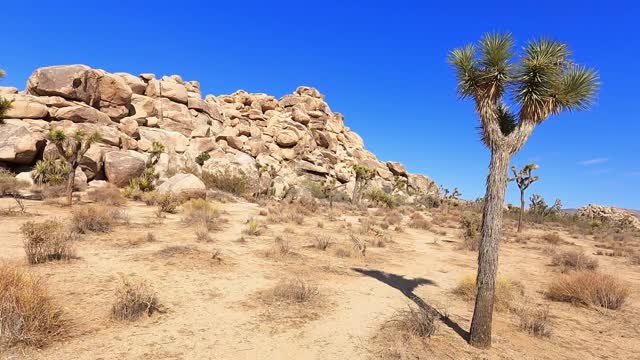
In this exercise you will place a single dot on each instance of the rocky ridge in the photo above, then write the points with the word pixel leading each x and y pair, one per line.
pixel 610 214
pixel 298 137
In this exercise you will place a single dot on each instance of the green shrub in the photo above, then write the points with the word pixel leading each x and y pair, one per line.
pixel 202 158
pixel 471 224
pixel 380 197
pixel 50 171
pixel 237 184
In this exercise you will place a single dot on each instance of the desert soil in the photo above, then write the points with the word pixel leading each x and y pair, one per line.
pixel 213 310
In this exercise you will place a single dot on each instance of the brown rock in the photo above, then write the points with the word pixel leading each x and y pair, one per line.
pixel 170 90
pixel 83 113
pixel 17 144
pixel 121 166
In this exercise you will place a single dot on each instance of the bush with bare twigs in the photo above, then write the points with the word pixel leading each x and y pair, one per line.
pixel 107 195
pixel 280 249
pixel 47 241
pixel 28 315
pixel 95 218
pixel 534 320
pixel 294 291
pixel 573 260
pixel 589 288
pixel 201 213
pixel 414 321
pixel 322 242
pixel 254 228
pixel 552 238
pixel 134 298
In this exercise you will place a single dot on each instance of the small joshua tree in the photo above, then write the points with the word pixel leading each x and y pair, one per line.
pixel 270 174
pixel 455 194
pixel 5 104
pixel 524 179
pixel 329 188
pixel 147 181
pixel 363 176
pixel 72 149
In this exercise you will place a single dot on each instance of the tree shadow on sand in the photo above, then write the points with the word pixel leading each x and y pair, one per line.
pixel 406 287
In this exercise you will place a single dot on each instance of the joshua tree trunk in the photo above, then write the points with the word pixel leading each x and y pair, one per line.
pixel 521 210
pixel 71 179
pixel 480 335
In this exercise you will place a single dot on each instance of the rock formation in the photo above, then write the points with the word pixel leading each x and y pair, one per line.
pixel 611 215
pixel 298 136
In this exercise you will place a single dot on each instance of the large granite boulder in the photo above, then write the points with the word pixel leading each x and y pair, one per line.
pixel 121 166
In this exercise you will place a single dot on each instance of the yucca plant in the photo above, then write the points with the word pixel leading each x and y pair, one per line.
pixel 5 104
pixel 72 149
pixel 523 179
pixel 50 171
pixel 513 93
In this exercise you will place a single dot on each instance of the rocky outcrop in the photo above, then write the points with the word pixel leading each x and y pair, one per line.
pixel 297 138
pixel 182 183
pixel 610 214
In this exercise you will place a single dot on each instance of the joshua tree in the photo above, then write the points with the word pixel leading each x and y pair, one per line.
pixel 363 176
pixel 455 194
pixel 5 104
pixel 524 179
pixel 329 188
pixel 542 81
pixel 72 149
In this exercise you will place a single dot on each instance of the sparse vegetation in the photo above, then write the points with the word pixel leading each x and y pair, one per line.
pixel 134 298
pixel 470 224
pixel 414 321
pixel 236 184
pixel 201 213
pixel 28 314
pixel 294 291
pixel 589 288
pixel 107 195
pixel 254 228
pixel 379 197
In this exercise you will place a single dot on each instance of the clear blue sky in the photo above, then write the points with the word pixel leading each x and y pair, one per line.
pixel 382 65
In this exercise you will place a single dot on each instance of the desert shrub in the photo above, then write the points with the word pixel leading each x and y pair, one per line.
pixel 107 195
pixel 589 288
pixel 133 299
pixel 552 238
pixel 535 321
pixel 50 171
pixel 237 184
pixel 295 291
pixel 429 201
pixel 254 228
pixel 53 191
pixel 28 315
pixel 322 242
pixel 47 241
pixel 573 260
pixel 470 224
pixel 280 249
pixel 414 321
pixel 506 291
pixel 201 213
pixel 167 202
pixel 358 245
pixel 202 234
pixel 419 223
pixel 202 158
pixel 380 197
pixel 94 218
pixel 634 259
pixel 9 185
pixel 393 218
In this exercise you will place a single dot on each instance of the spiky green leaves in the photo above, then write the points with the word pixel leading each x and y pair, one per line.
pixel 5 104
pixel 57 136
pixel 576 89
pixel 466 65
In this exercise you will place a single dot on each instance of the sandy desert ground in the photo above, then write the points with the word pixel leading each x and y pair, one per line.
pixel 216 307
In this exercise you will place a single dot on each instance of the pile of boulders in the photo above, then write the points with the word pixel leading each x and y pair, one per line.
pixel 296 138
pixel 611 215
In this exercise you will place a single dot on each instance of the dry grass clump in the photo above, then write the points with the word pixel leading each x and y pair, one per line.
pixel 420 223
pixel 294 291
pixel 506 291
pixel 552 238
pixel 47 241
pixel 470 224
pixel 322 242
pixel 589 288
pixel 202 213
pixel 202 234
pixel 393 218
pixel 280 249
pixel 356 249
pixel 573 260
pixel 535 321
pixel 107 195
pixel 254 228
pixel 28 315
pixel 134 298
pixel 95 218
pixel 414 321
pixel 170 251
pixel 166 202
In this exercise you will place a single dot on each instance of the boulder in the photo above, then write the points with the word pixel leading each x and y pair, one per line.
pixel 137 85
pixel 122 166
pixel 82 114
pixel 170 90
pixel 170 139
pixel 26 107
pixel 181 183
pixel 287 138
pixel 8 90
pixel 74 82
pixel 25 177
pixel 397 168
pixel 17 144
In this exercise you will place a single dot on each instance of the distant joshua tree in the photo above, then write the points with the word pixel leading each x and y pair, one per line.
pixel 524 179
pixel 363 176
pixel 542 81
pixel 72 149
pixel 5 104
